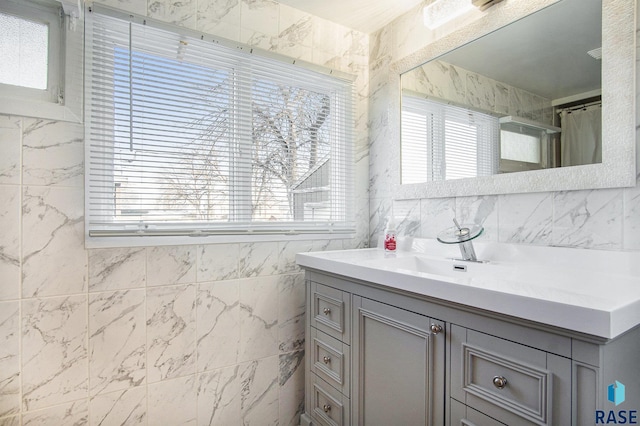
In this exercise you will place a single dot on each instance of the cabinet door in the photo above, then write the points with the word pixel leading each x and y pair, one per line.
pixel 397 364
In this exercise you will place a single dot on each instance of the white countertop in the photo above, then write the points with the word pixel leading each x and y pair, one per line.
pixel 589 291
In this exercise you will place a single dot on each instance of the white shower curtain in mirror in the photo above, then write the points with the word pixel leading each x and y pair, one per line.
pixel 581 137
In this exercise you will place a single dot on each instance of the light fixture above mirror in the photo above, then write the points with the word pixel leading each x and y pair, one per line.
pixel 484 4
pixel 440 12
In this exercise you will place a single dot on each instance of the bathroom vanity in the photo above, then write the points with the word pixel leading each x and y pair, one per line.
pixel 533 337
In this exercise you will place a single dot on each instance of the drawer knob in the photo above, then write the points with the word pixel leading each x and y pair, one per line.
pixel 326 311
pixel 326 359
pixel 499 382
pixel 436 328
pixel 326 408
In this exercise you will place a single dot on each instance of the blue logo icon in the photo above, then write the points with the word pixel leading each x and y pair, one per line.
pixel 615 393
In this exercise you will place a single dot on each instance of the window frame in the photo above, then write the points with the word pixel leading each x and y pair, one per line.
pixel 62 100
pixel 97 238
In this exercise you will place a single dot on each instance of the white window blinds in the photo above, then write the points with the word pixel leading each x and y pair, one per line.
pixel 186 135
pixel 442 141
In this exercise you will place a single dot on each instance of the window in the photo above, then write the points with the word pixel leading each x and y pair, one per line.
pixel 527 145
pixel 442 142
pixel 39 61
pixel 521 146
pixel 25 49
pixel 187 136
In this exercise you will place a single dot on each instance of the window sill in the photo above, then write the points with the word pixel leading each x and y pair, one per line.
pixel 150 241
pixel 45 110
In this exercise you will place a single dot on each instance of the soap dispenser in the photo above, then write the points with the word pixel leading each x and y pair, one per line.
pixel 390 238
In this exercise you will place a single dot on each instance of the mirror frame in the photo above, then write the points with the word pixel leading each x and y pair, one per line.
pixel 618 167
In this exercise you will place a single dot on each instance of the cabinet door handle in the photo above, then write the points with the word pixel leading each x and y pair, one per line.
pixel 499 382
pixel 326 359
pixel 326 311
pixel 435 328
pixel 326 408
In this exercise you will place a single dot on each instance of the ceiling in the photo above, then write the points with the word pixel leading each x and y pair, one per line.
pixel 545 53
pixel 363 15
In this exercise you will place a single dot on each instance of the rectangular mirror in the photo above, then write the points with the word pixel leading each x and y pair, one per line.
pixel 528 97
pixel 529 102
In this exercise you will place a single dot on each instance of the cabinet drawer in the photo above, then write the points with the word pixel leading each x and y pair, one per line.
pixel 330 311
pixel 328 406
pixel 330 360
pixel 461 415
pixel 501 378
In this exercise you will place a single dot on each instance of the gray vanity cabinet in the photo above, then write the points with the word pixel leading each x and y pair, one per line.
pixel 368 362
pixel 397 363
pixel 379 356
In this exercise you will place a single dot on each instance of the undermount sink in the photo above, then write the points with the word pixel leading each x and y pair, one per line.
pixel 431 265
pixel 578 281
pixel 464 271
pixel 486 274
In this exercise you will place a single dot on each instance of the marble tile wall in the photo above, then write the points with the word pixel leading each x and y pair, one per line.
pixel 453 84
pixel 195 334
pixel 591 219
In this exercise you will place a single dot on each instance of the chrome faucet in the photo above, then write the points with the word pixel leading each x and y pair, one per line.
pixel 462 236
pixel 464 242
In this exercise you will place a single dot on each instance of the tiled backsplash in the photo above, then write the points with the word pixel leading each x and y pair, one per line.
pixel 588 219
pixel 168 335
